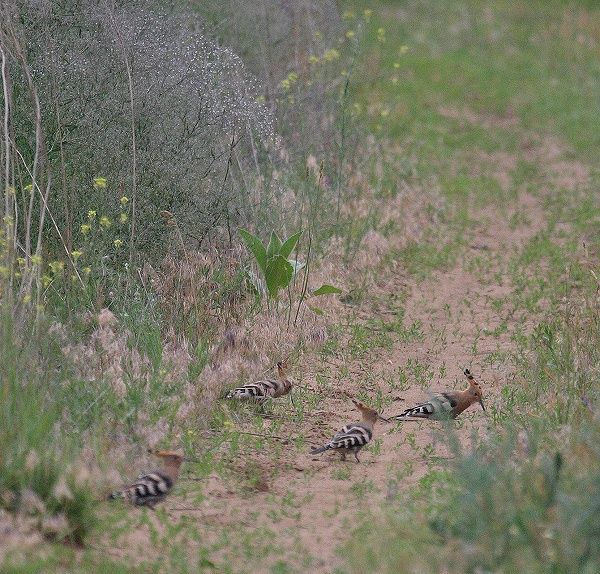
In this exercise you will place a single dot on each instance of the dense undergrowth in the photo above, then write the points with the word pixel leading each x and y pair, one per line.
pixel 125 283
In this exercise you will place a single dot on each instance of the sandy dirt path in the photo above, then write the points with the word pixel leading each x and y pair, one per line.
pixel 310 506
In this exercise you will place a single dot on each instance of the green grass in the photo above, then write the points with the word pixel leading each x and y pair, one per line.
pixel 491 57
pixel 34 451
pixel 488 77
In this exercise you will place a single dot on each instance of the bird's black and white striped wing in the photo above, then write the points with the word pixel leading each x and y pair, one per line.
pixel 352 437
pixel 258 391
pixel 441 406
pixel 147 490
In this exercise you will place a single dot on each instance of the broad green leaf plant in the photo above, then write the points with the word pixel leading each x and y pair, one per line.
pixel 274 262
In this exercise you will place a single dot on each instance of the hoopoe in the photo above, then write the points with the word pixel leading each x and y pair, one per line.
pixel 447 405
pixel 354 436
pixel 151 488
pixel 264 389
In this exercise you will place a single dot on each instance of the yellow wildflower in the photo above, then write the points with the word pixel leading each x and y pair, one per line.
pixel 381 35
pixel 313 59
pixel 124 200
pixel 123 218
pixel 396 65
pixel 21 261
pixel 350 34
pixel 85 228
pixel 4 271
pixel 46 280
pixel 367 14
pixel 117 243
pixel 395 80
pixel 91 214
pixel 100 182
pixel 87 270
pixel 56 266
pixel 36 259
pixel 403 50
pixel 76 254
pixel 27 299
pixel 105 222
pixel 288 82
pixel 331 55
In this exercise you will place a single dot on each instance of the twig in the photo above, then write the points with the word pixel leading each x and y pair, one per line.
pixel 134 160
pixel 306 275
pixel 195 478
pixel 186 509
pixel 11 236
pixel 264 435
pixel 6 133
pixel 51 217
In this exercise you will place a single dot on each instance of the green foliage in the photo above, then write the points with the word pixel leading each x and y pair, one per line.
pixel 277 270
pixel 34 476
pixel 326 290
pixel 276 267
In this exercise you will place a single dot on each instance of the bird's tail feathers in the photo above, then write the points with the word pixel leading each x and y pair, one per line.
pixel 416 412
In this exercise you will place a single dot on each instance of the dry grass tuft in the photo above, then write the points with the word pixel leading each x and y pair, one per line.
pixel 107 355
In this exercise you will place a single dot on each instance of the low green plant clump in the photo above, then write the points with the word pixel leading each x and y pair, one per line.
pixel 39 478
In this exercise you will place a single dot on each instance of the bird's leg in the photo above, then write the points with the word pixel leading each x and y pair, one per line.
pixel 343 456
pixel 263 411
pixel 356 456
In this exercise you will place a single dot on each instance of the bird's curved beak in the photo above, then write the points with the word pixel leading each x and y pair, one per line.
pixel 482 405
pixel 383 419
pixel 190 459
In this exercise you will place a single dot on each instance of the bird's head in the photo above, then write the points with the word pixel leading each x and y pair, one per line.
pixel 170 457
pixel 369 414
pixel 474 389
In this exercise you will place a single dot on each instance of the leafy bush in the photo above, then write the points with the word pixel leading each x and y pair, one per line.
pixel 139 94
pixel 278 271
pixel 298 36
